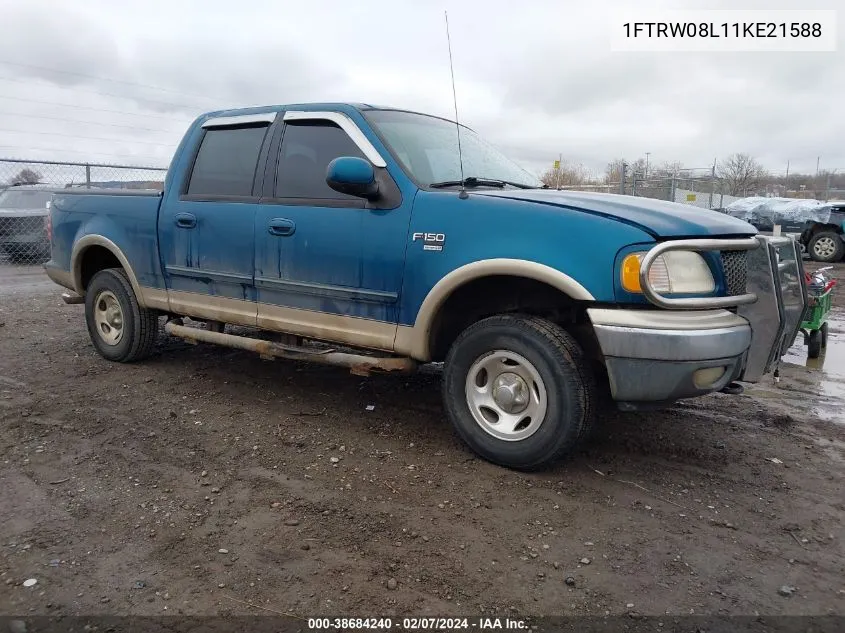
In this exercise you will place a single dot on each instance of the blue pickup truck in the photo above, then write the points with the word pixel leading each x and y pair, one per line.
pixel 359 236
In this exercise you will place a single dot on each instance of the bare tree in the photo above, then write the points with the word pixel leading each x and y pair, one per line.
pixel 26 176
pixel 569 175
pixel 613 171
pixel 667 169
pixel 741 174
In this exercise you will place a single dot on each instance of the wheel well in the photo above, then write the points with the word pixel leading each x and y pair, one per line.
pixel 95 259
pixel 818 227
pixel 499 294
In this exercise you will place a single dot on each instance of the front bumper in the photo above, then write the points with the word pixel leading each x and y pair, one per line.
pixel 683 349
pixel 22 231
pixel 663 356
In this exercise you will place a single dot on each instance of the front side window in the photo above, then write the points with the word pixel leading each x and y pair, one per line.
pixel 307 149
pixel 226 162
pixel 428 149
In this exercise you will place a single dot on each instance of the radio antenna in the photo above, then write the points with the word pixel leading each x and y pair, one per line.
pixel 463 192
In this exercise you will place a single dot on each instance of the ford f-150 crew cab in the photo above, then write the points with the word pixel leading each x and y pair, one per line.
pixel 343 226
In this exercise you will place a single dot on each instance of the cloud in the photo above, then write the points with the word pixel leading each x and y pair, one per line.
pixel 537 80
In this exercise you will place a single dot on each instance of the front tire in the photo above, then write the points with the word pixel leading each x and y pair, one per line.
pixel 120 329
pixel 826 246
pixel 518 391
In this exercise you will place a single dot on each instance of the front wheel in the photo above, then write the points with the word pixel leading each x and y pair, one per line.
pixel 518 391
pixel 120 329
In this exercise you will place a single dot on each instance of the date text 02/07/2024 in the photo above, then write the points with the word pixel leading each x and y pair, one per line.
pixel 418 624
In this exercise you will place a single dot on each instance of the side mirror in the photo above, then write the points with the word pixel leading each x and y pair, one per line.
pixel 353 176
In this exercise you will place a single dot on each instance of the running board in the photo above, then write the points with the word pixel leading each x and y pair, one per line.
pixel 358 364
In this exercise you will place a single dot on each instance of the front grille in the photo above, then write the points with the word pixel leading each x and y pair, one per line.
pixel 735 266
pixel 16 226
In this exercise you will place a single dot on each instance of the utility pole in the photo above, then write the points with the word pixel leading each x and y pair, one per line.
pixel 647 154
pixel 786 180
pixel 818 158
pixel 622 179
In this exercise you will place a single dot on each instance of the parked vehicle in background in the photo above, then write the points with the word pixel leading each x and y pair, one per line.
pixel 24 210
pixel 819 227
pixel 359 226
pixel 825 241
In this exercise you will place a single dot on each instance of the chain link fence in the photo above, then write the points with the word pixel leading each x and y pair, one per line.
pixel 26 188
pixel 695 187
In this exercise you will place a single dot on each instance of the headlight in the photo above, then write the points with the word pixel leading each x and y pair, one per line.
pixel 675 272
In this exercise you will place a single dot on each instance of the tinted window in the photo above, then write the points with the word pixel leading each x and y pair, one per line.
pixel 226 162
pixel 307 149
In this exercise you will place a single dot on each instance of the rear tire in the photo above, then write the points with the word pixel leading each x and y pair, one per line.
pixel 120 329
pixel 814 345
pixel 518 391
pixel 826 246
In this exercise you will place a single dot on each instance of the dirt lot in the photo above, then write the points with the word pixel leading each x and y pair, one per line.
pixel 205 478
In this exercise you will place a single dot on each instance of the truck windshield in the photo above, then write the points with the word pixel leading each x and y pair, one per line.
pixel 24 199
pixel 427 147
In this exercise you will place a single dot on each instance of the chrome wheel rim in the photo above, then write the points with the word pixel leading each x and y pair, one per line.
pixel 506 395
pixel 108 317
pixel 825 247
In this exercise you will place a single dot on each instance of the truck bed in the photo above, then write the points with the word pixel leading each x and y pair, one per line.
pixel 128 217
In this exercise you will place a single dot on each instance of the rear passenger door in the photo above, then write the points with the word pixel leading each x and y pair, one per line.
pixel 206 234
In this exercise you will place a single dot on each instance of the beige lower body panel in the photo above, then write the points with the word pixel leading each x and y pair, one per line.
pixel 154 298
pixel 321 326
pixel 61 277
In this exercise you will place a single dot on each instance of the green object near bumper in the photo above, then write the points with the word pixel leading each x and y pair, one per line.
pixel 818 307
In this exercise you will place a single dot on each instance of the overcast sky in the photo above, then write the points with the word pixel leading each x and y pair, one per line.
pixel 118 81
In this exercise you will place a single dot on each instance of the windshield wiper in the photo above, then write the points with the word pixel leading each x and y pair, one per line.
pixel 469 181
pixel 474 181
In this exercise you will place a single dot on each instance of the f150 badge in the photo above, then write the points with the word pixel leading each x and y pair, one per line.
pixel 431 241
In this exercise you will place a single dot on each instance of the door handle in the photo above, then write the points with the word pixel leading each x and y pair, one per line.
pixel 281 226
pixel 185 220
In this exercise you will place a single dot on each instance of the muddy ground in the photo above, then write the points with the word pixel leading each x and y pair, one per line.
pixel 206 480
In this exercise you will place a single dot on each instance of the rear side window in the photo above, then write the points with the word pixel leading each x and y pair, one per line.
pixel 307 149
pixel 226 162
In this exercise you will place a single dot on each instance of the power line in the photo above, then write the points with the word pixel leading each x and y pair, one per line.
pixel 110 94
pixel 96 78
pixel 93 109
pixel 68 120
pixel 88 138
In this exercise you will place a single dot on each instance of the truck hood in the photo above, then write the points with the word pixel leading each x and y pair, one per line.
pixel 656 217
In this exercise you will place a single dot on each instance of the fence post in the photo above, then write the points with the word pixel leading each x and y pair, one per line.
pixel 88 176
pixel 712 185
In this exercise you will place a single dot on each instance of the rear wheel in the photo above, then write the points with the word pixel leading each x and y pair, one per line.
pixel 518 391
pixel 826 246
pixel 814 344
pixel 120 329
